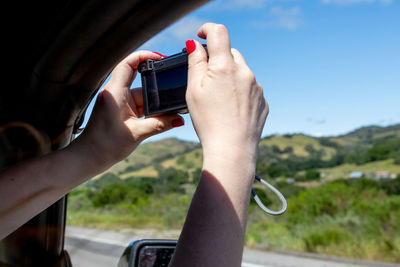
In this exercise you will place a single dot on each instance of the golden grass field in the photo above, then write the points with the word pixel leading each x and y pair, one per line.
pixel 298 143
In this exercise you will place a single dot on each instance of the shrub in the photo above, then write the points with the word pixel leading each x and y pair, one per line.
pixel 324 237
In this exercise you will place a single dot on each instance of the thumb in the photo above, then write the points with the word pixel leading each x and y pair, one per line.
pixel 144 128
pixel 197 62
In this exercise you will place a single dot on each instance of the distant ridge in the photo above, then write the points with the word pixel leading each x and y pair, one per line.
pixel 150 157
pixel 373 129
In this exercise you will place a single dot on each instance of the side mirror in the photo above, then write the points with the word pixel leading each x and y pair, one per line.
pixel 148 253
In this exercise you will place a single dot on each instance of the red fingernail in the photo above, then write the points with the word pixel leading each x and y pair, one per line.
pixel 190 46
pixel 159 54
pixel 178 122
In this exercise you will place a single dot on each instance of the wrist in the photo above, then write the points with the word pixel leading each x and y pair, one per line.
pixel 230 163
pixel 89 155
pixel 232 152
pixel 230 172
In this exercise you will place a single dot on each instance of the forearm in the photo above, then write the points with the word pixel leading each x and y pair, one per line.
pixel 228 111
pixel 213 234
pixel 112 133
pixel 31 186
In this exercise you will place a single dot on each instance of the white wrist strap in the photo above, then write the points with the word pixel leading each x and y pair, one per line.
pixel 273 189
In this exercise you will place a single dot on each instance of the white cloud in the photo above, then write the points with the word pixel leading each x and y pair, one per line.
pixel 184 29
pixel 349 2
pixel 279 17
pixel 250 3
pixel 290 18
pixel 318 134
pixel 316 120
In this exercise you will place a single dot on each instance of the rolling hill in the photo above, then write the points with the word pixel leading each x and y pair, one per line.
pixel 151 153
pixel 279 155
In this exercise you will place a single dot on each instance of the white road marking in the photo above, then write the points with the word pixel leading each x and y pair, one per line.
pixel 245 264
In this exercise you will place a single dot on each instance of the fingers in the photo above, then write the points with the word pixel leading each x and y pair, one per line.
pixel 137 97
pixel 197 64
pixel 144 128
pixel 218 42
pixel 122 77
pixel 124 73
pixel 237 57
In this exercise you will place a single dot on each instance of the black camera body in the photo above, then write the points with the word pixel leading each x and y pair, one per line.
pixel 164 84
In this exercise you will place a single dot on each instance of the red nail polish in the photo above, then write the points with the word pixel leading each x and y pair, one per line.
pixel 178 122
pixel 190 46
pixel 159 54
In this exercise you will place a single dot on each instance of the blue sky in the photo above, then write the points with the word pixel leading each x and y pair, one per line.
pixel 326 66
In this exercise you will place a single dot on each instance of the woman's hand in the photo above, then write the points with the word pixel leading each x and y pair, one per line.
pixel 228 111
pixel 115 128
pixel 226 103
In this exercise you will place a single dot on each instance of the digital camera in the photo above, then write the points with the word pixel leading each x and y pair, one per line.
pixel 164 84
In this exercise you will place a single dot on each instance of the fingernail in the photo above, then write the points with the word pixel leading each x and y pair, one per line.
pixel 159 54
pixel 178 122
pixel 190 46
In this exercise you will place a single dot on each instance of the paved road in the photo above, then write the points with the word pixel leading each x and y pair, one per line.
pixel 96 248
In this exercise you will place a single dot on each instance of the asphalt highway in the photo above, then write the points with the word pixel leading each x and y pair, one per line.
pixel 97 248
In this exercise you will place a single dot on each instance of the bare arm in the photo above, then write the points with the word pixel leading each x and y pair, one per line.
pixel 228 111
pixel 113 132
pixel 31 186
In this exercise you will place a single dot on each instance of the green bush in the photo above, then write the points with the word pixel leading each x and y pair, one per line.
pixel 108 178
pixel 324 237
pixel 392 187
pixel 383 150
pixel 196 176
pixel 275 171
pixel 311 203
pixel 350 218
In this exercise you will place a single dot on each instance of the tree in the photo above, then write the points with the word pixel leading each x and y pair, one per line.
pixel 106 179
pixel 181 160
pixel 170 180
pixel 275 171
pixel 196 176
pixel 312 175
pixel 276 149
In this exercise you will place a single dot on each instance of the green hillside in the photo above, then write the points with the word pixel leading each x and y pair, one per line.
pixel 152 153
pixel 279 156
pixel 188 161
pixel 343 171
pixel 298 145
pixel 371 134
pixel 328 213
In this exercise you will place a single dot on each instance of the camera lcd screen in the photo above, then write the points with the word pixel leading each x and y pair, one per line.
pixel 167 89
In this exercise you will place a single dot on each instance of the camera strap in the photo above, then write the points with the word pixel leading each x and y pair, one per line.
pixel 275 191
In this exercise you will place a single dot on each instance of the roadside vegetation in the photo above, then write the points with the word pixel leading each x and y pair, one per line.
pixel 327 212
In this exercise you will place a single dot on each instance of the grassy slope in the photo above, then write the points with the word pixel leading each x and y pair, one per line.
pixel 147 153
pixel 148 171
pixel 344 170
pixel 367 135
pixel 192 161
pixel 169 153
pixel 193 158
pixel 298 142
pixel 325 218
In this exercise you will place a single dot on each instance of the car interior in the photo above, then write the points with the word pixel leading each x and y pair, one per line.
pixel 58 53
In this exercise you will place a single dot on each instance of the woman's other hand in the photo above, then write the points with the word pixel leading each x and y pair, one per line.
pixel 225 101
pixel 115 128
pixel 228 111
